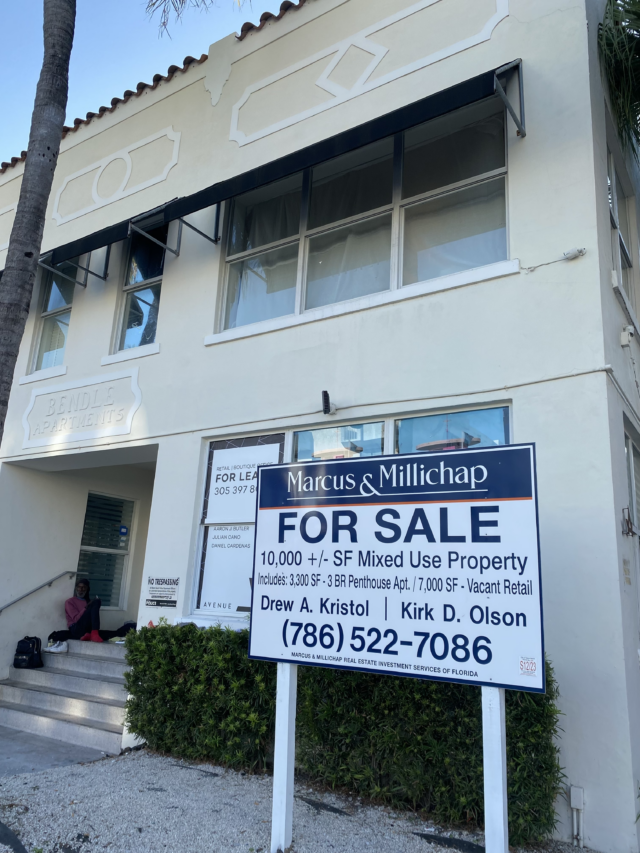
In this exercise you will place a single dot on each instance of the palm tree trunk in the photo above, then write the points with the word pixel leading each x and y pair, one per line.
pixel 47 121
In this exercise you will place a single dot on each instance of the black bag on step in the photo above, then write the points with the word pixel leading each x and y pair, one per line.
pixel 28 654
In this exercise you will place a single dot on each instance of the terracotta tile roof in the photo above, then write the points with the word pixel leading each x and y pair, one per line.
pixel 246 28
pixel 269 16
pixel 140 88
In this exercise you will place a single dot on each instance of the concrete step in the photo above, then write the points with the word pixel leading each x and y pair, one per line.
pixel 84 664
pixel 65 702
pixel 74 730
pixel 95 686
pixel 110 651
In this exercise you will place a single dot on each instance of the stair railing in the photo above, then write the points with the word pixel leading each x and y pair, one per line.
pixel 36 588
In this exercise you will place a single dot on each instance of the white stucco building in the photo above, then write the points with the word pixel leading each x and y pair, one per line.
pixel 376 226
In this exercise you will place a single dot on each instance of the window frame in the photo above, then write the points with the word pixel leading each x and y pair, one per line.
pixel 128 554
pixel 45 290
pixel 126 289
pixel 396 208
pixel 619 249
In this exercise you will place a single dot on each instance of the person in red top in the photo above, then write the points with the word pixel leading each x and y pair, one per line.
pixel 83 615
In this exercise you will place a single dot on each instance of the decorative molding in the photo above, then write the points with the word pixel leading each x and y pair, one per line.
pixel 364 83
pixel 123 190
pixel 102 406
pixel 2 213
pixel 128 354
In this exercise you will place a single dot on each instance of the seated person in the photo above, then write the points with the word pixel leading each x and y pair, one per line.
pixel 83 615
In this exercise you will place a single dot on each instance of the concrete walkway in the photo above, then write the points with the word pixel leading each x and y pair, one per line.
pixel 21 752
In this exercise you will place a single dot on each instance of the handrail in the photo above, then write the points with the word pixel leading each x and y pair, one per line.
pixel 35 589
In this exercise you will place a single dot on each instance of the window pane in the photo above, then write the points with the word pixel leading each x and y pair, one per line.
pixel 351 184
pixel 266 215
pixel 146 259
pixel 349 262
pixel 60 290
pixel 453 431
pixel 103 521
pixel 626 274
pixel 358 440
pixel 457 231
pixel 623 213
pixel 442 152
pixel 141 317
pixel 636 480
pixel 262 287
pixel 104 573
pixel 53 341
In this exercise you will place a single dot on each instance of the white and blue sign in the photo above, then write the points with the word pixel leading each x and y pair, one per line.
pixel 123 530
pixel 422 565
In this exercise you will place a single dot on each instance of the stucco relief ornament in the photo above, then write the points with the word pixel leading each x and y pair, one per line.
pixel 346 75
pixel 117 175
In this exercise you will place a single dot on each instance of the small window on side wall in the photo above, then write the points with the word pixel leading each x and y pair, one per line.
pixel 620 230
pixel 142 286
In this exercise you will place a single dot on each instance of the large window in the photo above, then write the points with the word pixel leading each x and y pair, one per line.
pixel 417 206
pixel 142 285
pixel 55 316
pixel 620 230
pixel 105 547
pixel 228 522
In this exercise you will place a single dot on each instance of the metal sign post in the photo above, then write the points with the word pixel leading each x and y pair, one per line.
pixel 284 757
pixel 494 762
pixel 422 565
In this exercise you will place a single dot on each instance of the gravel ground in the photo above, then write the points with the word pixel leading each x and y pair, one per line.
pixel 141 802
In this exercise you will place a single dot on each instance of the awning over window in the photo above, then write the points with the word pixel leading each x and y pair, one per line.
pixel 476 89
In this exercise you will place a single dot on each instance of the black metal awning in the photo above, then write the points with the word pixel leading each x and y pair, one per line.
pixel 487 85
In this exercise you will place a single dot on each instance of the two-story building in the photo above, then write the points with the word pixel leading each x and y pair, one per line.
pixel 381 199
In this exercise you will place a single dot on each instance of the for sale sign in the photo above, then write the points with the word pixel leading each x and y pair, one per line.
pixel 422 565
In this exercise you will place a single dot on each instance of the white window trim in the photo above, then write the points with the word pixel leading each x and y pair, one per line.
pixel 374 300
pixel 132 352
pixel 45 373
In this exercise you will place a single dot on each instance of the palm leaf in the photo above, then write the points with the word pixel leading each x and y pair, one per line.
pixel 619 49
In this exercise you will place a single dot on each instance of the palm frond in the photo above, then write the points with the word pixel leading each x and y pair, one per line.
pixel 176 8
pixel 619 49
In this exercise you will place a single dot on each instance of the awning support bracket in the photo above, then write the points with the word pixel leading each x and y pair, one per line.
pixel 87 272
pixel 216 233
pixel 146 234
pixel 519 121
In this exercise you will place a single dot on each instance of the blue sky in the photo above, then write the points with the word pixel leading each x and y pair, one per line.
pixel 116 46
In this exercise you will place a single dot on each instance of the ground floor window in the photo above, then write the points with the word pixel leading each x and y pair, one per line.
pixel 228 521
pixel 228 516
pixel 105 547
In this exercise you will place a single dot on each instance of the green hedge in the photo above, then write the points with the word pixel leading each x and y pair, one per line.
pixel 409 743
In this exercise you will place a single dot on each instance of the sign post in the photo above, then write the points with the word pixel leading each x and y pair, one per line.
pixel 418 565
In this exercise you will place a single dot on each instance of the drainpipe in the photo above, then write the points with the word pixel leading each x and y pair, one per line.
pixel 577 812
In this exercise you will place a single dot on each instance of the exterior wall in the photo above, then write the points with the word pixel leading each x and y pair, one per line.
pixel 40 529
pixel 538 340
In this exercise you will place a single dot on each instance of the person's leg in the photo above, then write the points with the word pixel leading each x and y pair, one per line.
pixel 82 626
pixel 93 614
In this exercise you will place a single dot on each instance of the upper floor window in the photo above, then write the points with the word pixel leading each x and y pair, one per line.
pixel 55 315
pixel 142 284
pixel 425 203
pixel 621 230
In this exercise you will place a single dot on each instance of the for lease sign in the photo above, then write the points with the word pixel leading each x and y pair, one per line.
pixel 422 565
